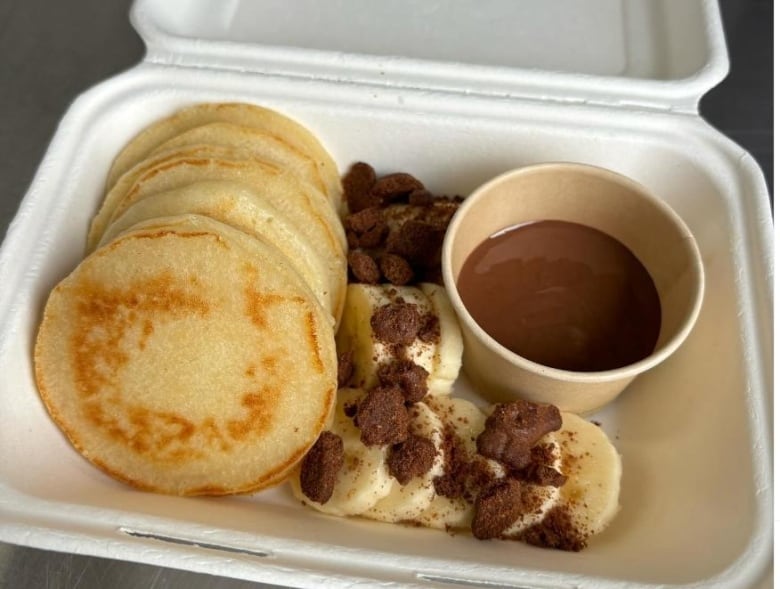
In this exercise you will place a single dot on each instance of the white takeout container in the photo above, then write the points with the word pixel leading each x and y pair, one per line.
pixel 455 93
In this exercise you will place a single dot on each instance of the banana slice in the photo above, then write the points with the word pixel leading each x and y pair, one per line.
pixel 541 498
pixel 449 350
pixel 356 334
pixel 591 494
pixel 406 502
pixel 364 478
pixel 463 421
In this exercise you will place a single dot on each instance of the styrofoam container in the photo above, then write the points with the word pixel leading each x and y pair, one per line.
pixel 455 93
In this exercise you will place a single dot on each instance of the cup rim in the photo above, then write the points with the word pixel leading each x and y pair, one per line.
pixel 613 374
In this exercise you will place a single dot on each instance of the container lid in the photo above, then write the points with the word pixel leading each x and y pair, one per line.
pixel 658 54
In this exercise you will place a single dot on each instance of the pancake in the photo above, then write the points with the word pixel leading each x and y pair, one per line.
pixel 185 357
pixel 256 144
pixel 238 206
pixel 248 115
pixel 113 197
pixel 315 220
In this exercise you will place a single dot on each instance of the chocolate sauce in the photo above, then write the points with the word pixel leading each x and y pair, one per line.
pixel 564 295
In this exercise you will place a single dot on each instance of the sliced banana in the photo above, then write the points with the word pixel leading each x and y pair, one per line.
pixel 591 494
pixel 356 334
pixel 364 478
pixel 543 498
pixel 449 349
pixel 463 421
pixel 407 502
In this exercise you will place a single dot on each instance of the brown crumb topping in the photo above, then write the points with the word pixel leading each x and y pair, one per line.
pixel 514 428
pixel 382 417
pixel 395 187
pixel 538 471
pixel 366 228
pixel 418 242
pixel 396 221
pixel 556 530
pixel 396 323
pixel 345 368
pixel 321 466
pixel 410 377
pixel 497 508
pixel 395 269
pixel 357 184
pixel 430 330
pixel 411 458
pixel 462 477
pixel 363 267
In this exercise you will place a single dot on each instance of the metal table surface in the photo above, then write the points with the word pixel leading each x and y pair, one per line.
pixel 51 51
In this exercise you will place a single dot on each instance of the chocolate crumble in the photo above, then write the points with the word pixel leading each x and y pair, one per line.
pixel 538 471
pixel 497 508
pixel 320 467
pixel 514 428
pixel 430 331
pixel 410 377
pixel 363 267
pixel 394 187
pixel 382 417
pixel 395 214
pixel 366 228
pixel 357 184
pixel 418 242
pixel 411 458
pixel 556 530
pixel 396 323
pixel 395 269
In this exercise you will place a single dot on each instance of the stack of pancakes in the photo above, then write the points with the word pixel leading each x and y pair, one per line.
pixel 192 351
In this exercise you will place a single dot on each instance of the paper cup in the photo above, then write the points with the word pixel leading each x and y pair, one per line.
pixel 602 200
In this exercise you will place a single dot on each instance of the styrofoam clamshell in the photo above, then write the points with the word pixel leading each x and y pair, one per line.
pixel 455 93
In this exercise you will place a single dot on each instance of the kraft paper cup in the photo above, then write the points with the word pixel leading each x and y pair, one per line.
pixel 600 199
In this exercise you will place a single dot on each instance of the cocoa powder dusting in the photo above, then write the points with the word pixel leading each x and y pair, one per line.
pixel 497 508
pixel 463 478
pixel 556 530
pixel 430 330
pixel 452 482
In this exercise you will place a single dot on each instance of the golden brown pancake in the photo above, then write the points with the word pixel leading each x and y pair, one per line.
pixel 256 144
pixel 237 205
pixel 315 220
pixel 113 197
pixel 185 357
pixel 275 123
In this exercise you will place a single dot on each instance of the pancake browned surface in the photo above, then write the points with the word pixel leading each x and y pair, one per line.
pixel 315 220
pixel 239 206
pixel 181 361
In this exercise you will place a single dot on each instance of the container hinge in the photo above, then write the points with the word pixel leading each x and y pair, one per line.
pixel 167 59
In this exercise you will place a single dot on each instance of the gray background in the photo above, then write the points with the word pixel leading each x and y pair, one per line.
pixel 50 51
